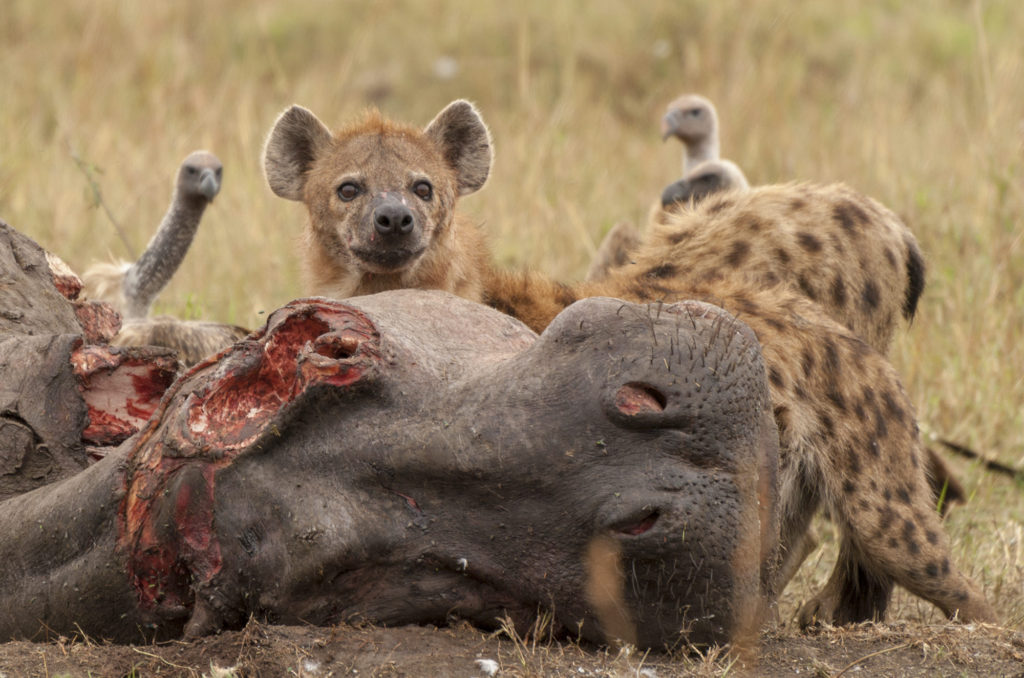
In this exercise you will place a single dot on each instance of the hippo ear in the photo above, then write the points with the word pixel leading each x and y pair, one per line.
pixel 296 141
pixel 465 143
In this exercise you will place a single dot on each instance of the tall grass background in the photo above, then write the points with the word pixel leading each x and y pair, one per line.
pixel 920 105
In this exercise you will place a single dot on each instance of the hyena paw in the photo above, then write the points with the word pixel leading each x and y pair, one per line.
pixel 821 609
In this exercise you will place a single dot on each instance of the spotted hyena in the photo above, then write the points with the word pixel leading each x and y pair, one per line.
pixel 381 199
pixel 848 437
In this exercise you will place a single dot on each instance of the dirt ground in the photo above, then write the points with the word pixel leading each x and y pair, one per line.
pixel 899 649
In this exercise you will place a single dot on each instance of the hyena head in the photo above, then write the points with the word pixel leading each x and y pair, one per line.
pixel 380 195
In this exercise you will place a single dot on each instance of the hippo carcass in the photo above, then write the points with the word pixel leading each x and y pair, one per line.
pixel 410 457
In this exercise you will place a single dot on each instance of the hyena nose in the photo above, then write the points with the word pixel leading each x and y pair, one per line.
pixel 392 218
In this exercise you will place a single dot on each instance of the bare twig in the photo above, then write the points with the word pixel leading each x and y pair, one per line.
pixel 989 464
pixel 90 170
pixel 849 666
pixel 158 657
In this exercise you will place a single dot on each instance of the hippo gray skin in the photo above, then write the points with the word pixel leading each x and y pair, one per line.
pixel 411 457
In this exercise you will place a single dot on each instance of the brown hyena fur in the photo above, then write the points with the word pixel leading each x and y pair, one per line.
pixel 381 199
pixel 849 440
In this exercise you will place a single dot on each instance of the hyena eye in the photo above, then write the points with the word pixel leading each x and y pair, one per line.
pixel 423 190
pixel 349 191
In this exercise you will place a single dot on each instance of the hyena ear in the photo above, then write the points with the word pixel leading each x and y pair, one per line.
pixel 462 136
pixel 296 140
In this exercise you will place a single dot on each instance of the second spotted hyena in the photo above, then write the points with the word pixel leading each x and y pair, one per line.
pixel 848 435
pixel 381 200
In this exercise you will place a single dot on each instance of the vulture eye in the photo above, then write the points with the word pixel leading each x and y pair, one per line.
pixel 348 191
pixel 423 190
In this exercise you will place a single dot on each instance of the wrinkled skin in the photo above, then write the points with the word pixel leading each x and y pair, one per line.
pixel 409 457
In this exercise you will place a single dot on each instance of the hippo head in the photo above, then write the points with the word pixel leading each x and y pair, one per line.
pixel 411 457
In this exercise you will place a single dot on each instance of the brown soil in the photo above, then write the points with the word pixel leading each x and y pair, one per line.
pixel 900 649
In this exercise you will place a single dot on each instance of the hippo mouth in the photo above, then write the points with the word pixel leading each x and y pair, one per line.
pixel 393 260
pixel 634 527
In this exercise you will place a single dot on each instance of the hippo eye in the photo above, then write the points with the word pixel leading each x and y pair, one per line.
pixel 349 191
pixel 423 190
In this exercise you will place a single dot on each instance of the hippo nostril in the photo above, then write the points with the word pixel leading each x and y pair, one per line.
pixel 635 398
pixel 640 526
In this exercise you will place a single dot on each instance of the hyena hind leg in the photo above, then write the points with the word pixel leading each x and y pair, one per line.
pixel 898 537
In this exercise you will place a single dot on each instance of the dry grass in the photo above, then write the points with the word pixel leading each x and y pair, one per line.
pixel 917 104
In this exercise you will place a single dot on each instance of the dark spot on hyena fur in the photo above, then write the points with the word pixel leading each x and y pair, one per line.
pixel 806 287
pixel 662 271
pixel 838 401
pixel 750 222
pixel 807 362
pixel 915 280
pixel 945 566
pixel 893 544
pixel 870 296
pixel 775 323
pixel 849 215
pixel 769 279
pixel 853 462
pixel 893 407
pixel 776 377
pixel 885 518
pixel 827 425
pixel 717 206
pixel 839 292
pixel 908 537
pixel 932 536
pixel 873 449
pixel 679 236
pixel 745 305
pixel 832 362
pixel 808 241
pixel 738 253
pixel 782 255
pixel 781 413
pixel 932 569
pixel 887 494
pixel 881 426
pixel 848 487
pixel 868 403
pixel 565 296
pixel 904 495
pixel 797 204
